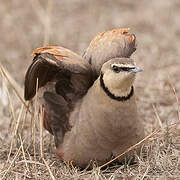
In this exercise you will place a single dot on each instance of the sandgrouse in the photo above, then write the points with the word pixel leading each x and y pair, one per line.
pixel 89 103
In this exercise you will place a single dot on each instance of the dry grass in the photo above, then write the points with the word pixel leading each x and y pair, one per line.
pixel 26 150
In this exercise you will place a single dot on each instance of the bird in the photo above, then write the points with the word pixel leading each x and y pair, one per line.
pixel 88 107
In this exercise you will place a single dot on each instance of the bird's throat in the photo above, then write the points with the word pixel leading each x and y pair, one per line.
pixel 113 96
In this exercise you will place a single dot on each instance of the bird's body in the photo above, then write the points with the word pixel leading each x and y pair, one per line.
pixel 90 119
pixel 103 127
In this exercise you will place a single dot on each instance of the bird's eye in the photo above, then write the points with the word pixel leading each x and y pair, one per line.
pixel 116 68
pixel 125 68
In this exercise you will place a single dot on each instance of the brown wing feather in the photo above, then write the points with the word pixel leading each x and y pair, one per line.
pixel 70 76
pixel 52 60
pixel 56 112
pixel 107 45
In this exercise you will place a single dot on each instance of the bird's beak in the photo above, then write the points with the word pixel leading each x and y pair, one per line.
pixel 136 69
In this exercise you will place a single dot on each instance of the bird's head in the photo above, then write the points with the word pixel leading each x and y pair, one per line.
pixel 118 75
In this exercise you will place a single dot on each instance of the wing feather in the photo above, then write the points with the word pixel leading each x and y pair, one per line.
pixel 63 77
pixel 110 44
pixel 52 60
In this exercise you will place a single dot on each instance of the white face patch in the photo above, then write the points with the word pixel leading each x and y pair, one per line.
pixel 123 65
pixel 118 84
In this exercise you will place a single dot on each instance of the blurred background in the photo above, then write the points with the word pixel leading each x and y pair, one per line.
pixel 26 25
pixel 29 24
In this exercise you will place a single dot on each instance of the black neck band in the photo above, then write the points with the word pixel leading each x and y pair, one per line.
pixel 112 96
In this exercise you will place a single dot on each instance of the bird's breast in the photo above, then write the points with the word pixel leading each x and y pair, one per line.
pixel 101 121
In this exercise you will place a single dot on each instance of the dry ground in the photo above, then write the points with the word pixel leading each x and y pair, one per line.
pixel 25 25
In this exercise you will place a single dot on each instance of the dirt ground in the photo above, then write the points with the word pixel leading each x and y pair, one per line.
pixel 26 25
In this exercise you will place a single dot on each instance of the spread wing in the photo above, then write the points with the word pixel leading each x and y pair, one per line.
pixel 57 64
pixel 107 45
pixel 63 77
